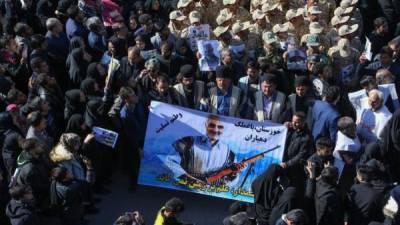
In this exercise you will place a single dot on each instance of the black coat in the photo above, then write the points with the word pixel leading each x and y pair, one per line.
pixel 327 202
pixel 126 70
pixel 298 148
pixel 21 213
pixel 11 150
pixel 272 197
pixel 364 204
pixel 34 173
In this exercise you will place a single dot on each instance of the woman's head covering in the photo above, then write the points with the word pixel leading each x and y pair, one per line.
pixel 76 42
pixel 92 114
pixel 93 73
pixel 74 124
pixel 88 87
pixel 266 187
pixel 189 54
pixel 73 103
pixel 70 140
pixel 77 65
pixel 146 40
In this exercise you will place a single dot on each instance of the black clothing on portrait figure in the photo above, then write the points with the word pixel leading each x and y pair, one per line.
pixel 272 195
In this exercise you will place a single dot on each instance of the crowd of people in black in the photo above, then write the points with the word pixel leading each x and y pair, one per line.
pixel 70 65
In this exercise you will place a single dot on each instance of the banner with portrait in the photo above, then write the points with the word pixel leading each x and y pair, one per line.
pixel 208 154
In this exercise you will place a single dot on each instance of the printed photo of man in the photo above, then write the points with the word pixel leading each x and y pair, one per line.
pixel 209 60
pixel 204 156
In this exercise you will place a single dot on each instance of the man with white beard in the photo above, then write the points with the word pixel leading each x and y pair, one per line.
pixel 373 119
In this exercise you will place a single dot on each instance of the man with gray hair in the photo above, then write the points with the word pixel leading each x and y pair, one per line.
pixel 57 49
pixel 147 77
pixel 373 119
pixel 57 40
pixel 238 68
pixel 384 76
pixel 97 36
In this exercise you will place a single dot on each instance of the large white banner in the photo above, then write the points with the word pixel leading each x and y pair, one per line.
pixel 205 153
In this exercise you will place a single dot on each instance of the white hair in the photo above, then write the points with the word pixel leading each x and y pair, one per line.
pixel 377 93
pixel 51 23
pixel 94 20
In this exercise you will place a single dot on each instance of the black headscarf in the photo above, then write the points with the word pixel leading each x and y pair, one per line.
pixel 76 42
pixel 266 187
pixel 74 125
pixel 161 13
pixel 138 5
pixel 92 115
pixel 88 87
pixel 73 103
pixel 93 73
pixel 146 40
pixel 272 196
pixel 77 67
pixel 188 55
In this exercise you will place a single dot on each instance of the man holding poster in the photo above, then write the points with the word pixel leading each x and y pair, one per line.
pixel 202 156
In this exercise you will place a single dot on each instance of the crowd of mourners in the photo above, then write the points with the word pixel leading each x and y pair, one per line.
pixel 70 65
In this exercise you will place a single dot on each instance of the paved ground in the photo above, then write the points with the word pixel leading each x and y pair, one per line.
pixel 200 209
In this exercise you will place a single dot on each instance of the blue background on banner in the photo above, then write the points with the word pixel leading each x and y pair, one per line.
pixel 158 146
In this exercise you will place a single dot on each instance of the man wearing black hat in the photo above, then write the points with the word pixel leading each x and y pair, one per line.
pixel 302 100
pixel 191 91
pixel 269 103
pixel 225 99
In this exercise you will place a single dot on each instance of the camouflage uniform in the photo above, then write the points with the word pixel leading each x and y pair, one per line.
pixel 241 14
pixel 299 31
pixel 209 13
